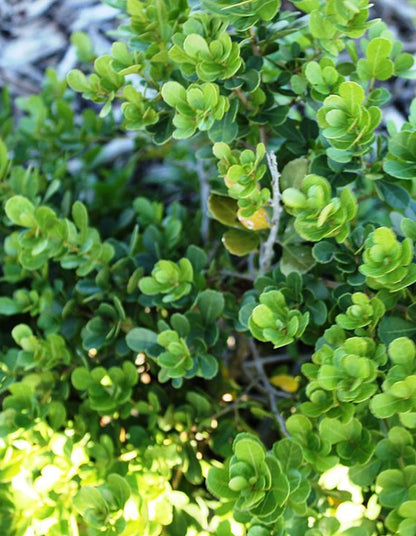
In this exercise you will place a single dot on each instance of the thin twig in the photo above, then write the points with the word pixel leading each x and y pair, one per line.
pixel 204 195
pixel 243 99
pixel 267 388
pixel 254 43
pixel 266 254
pixel 271 359
pixel 241 402
pixel 238 404
pixel 177 478
pixel 228 273
pixel 251 267
pixel 263 137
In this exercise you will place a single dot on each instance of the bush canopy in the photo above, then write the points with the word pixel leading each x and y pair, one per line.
pixel 207 290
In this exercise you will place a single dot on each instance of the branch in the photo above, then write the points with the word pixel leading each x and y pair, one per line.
pixel 243 99
pixel 204 195
pixel 272 359
pixel 237 275
pixel 241 402
pixel 268 388
pixel 266 253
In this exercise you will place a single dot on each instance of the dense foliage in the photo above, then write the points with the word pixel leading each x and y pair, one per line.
pixel 207 291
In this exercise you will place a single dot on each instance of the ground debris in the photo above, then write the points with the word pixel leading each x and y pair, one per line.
pixel 35 34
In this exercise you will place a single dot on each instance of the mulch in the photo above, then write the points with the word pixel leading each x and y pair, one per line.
pixel 35 34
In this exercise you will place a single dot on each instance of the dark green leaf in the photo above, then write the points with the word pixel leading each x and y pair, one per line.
pixel 211 305
pixel 394 195
pixel 119 488
pixel 8 306
pixel 296 258
pixel 393 327
pixel 324 251
pixel 140 339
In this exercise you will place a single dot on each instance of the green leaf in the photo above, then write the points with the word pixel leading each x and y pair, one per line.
pixel 268 9
pixel 298 84
pixel 319 25
pixel 393 482
pixel 249 449
pixel 288 453
pixel 258 530
pixel 78 81
pixel 119 488
pixel 226 129
pixel 328 377
pixel 224 529
pixel 162 130
pixel 393 327
pixel 148 285
pixel 211 304
pixel 217 483
pixel 400 169
pixel 384 405
pixel 365 474
pixel 81 378
pixel 83 45
pixel 198 258
pixel 340 156
pixel 89 498
pixel 352 93
pixel 21 332
pixel 193 473
pixel 195 98
pixel 296 258
pixel 8 307
pixel 20 211
pixel 406 527
pixel 57 414
pixel 377 65
pixel 239 242
pixel 106 109
pixel 402 351
pixel 335 431
pixel 80 216
pixel 396 196
pixel 377 50
pixel 224 209
pixel 402 145
pixel 324 251
pixel 140 339
pixel 174 94
pixel 408 509
pixel 208 366
pixel 245 312
pixel 379 97
pixel 4 160
pixel 408 227
pixel 195 44
pixel 180 324
pixel 313 73
pixel 199 403
pixel 402 63
pixel 293 173
pixel 298 425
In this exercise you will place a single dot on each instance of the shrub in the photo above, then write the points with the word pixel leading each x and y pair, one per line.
pixel 209 320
